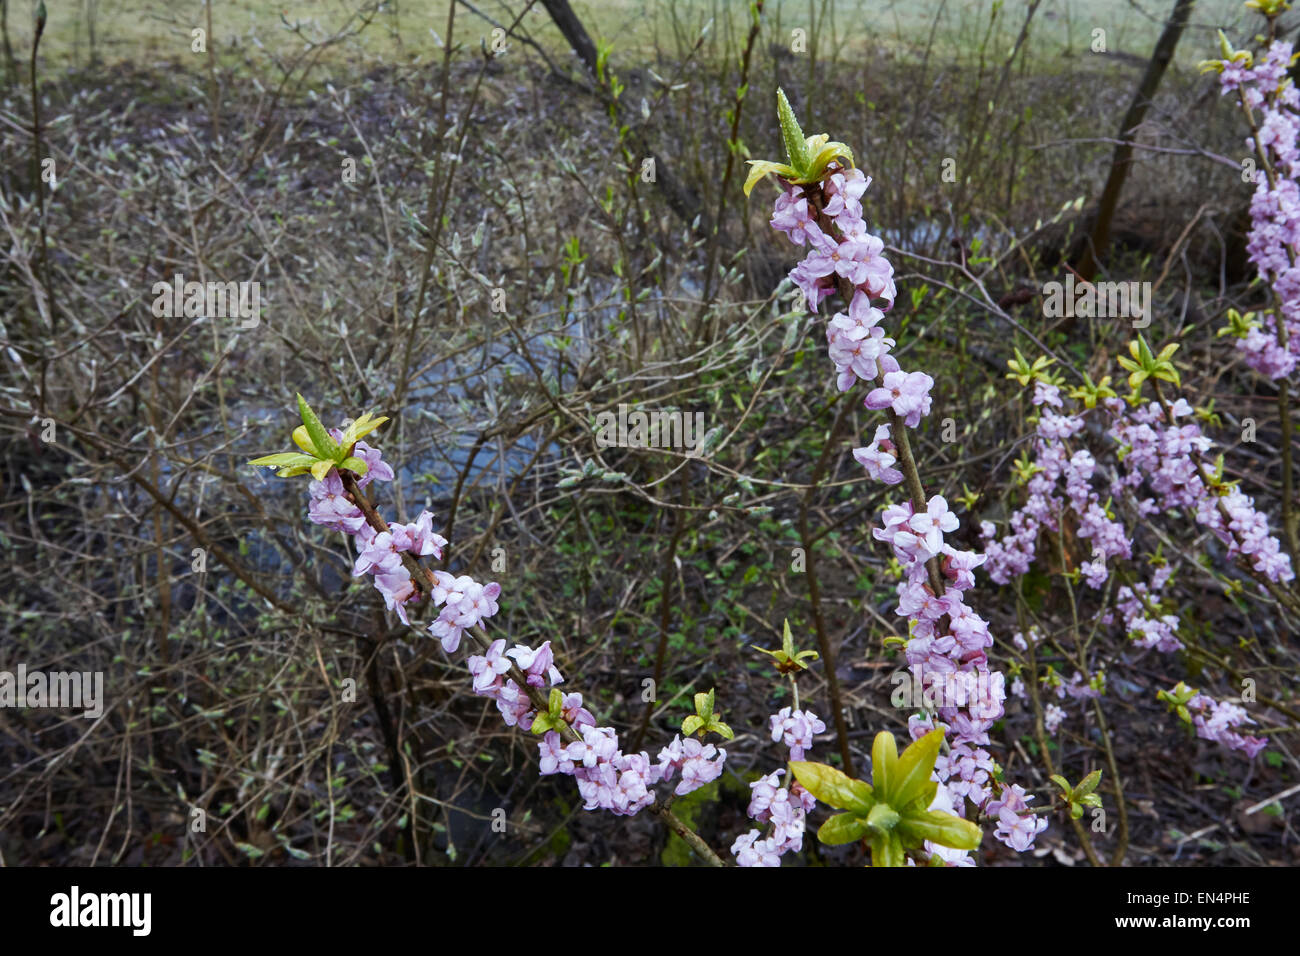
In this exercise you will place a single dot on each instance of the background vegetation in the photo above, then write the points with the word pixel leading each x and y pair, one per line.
pixel 522 171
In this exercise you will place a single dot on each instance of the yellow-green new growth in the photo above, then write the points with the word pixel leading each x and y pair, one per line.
pixel 1081 796
pixel 320 452
pixel 553 719
pixel 1091 393
pixel 1177 699
pixel 704 720
pixel 1239 326
pixel 1269 8
pixel 808 155
pixel 892 813
pixel 1144 365
pixel 789 659
pixel 1024 373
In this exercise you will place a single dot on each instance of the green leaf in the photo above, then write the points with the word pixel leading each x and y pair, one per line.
pixel 758 168
pixel 945 829
pixel 914 768
pixel 923 802
pixel 827 154
pixel 721 729
pixel 1088 784
pixel 1143 354
pixel 704 703
pixel 303 441
pixel 321 468
pixel 883 817
pixel 544 722
pixel 887 850
pixel 288 459
pixel 833 787
pixel 842 828
pixel 692 724
pixel 325 447
pixel 884 765
pixel 360 428
pixel 354 464
pixel 796 144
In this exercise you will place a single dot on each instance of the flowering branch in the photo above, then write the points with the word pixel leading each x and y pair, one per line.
pixel 820 207
pixel 572 743
pixel 1263 84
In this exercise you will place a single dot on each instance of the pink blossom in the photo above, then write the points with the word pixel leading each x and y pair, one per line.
pixel 793 218
pixel 907 393
pixel 553 758
pixel 878 458
pixel 538 665
pixel 751 851
pixel 487 669
pixel 931 525
pixel 330 506
pixel 796 729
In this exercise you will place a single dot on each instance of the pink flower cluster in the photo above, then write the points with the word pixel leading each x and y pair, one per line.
pixel 512 701
pixel 1145 626
pixel 1159 453
pixel 856 342
pixel 1061 483
pixel 907 393
pixel 948 640
pixel 699 763
pixel 1052 717
pixel 785 810
pixel 330 506
pixel 1156 473
pixel 1154 455
pixel 1018 825
pixel 948 637
pixel 607 778
pixel 1274 235
pixel 1217 720
pixel 879 459
pixel 851 253
pixel 379 553
pixel 623 783
pixel 796 729
pixel 465 603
